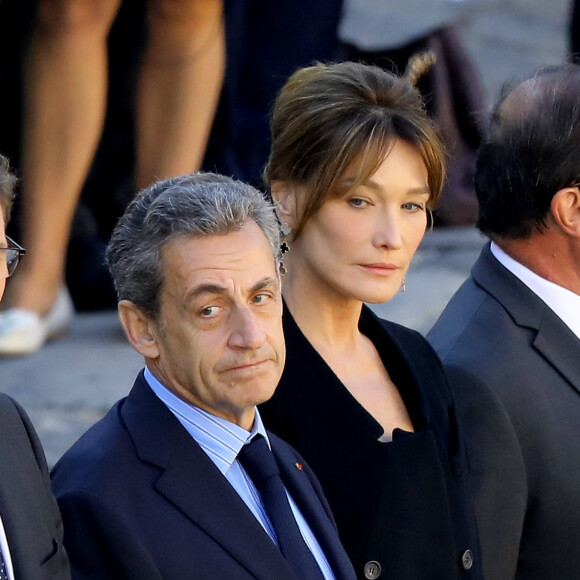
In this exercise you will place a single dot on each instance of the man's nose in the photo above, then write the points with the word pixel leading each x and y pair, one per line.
pixel 247 331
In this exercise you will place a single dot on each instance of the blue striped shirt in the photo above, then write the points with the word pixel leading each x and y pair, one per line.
pixel 222 440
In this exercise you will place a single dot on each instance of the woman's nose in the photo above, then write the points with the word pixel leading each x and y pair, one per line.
pixel 388 233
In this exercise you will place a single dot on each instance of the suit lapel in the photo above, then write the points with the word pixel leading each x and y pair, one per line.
pixel 22 494
pixel 553 339
pixel 300 488
pixel 191 482
pixel 560 346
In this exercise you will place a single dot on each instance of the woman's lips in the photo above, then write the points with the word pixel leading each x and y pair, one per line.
pixel 380 269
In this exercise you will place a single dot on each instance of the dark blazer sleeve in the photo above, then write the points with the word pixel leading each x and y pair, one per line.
pixel 102 545
pixel 497 475
pixel 30 515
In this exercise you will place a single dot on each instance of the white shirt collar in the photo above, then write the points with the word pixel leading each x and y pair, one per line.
pixel 221 439
pixel 564 302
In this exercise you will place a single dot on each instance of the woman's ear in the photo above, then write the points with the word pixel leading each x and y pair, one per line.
pixel 139 328
pixel 284 197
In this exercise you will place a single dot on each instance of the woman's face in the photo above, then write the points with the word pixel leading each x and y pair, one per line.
pixel 359 245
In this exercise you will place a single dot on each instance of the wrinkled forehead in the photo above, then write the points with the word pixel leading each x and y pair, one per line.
pixel 241 256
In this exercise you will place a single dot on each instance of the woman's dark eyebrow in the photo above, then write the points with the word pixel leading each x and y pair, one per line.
pixel 347 182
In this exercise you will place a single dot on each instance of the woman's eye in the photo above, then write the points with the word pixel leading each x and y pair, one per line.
pixel 358 202
pixel 411 206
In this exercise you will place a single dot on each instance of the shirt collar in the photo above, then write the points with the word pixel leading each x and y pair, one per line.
pixel 221 439
pixel 564 302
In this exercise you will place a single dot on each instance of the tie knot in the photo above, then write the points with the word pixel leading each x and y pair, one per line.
pixel 258 461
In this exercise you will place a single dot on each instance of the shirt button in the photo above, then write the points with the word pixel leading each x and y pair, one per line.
pixel 372 570
pixel 467 559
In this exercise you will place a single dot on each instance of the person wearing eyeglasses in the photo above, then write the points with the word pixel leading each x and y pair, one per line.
pixel 12 255
pixel 30 524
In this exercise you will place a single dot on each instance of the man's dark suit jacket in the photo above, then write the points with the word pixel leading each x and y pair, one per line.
pixel 141 500
pixel 28 509
pixel 514 367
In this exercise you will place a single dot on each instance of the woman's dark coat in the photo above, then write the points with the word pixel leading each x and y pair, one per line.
pixel 400 506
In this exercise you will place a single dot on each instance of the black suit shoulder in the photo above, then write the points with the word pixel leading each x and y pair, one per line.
pixel 29 511
pixel 97 460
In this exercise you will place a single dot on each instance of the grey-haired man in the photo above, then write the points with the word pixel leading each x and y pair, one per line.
pixel 157 488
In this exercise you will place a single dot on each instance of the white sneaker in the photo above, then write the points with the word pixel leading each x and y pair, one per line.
pixel 24 332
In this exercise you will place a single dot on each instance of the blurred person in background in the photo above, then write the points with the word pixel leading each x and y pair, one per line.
pixel 266 42
pixel 65 78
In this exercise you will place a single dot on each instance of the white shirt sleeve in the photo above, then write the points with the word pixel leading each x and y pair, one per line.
pixel 6 551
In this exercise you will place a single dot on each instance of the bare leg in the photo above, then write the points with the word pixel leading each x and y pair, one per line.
pixel 65 80
pixel 181 76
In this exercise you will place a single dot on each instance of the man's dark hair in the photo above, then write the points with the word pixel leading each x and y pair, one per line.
pixel 533 151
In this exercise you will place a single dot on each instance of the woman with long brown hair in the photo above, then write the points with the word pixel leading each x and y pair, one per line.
pixel 354 170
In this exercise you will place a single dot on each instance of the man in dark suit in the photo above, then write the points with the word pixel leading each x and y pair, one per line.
pixel 30 526
pixel 163 487
pixel 510 337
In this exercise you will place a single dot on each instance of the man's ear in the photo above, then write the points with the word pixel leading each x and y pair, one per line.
pixel 565 209
pixel 139 328
pixel 285 202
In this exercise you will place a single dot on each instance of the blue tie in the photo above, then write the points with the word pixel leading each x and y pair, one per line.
pixel 260 464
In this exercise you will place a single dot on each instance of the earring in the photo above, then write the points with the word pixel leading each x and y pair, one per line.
pixel 286 230
pixel 403 286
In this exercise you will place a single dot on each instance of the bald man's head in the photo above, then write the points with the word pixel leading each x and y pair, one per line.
pixel 533 151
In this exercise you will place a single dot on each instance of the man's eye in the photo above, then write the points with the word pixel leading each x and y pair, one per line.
pixel 209 311
pixel 260 298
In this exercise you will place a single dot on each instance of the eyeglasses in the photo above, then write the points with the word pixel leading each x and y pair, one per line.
pixel 12 253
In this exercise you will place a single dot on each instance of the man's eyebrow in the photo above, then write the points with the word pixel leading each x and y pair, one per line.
pixel 205 289
pixel 217 289
pixel 264 283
